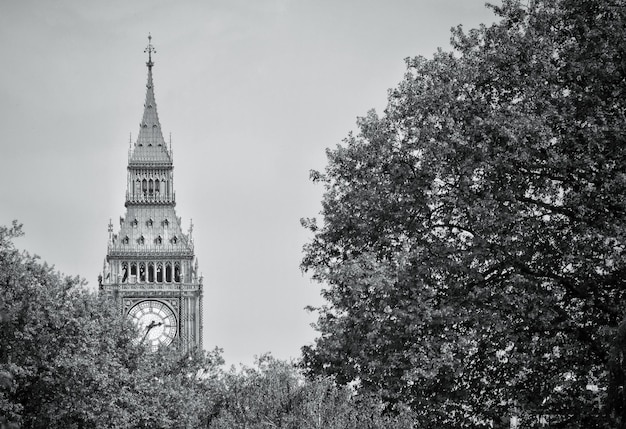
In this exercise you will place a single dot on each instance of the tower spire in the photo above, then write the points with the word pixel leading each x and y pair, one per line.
pixel 150 145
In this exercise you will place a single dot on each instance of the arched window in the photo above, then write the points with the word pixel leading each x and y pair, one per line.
pixel 150 187
pixel 144 187
pixel 141 240
pixel 157 188
pixel 151 272
pixel 168 272
pixel 159 272
pixel 133 269
pixel 158 240
pixel 124 272
pixel 142 272
pixel 177 272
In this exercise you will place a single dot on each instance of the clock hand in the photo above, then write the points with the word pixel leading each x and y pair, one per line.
pixel 152 324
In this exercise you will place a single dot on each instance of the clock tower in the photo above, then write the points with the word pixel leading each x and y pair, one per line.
pixel 150 270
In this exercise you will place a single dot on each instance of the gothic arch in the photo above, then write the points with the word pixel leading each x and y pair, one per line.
pixel 159 272
pixel 168 272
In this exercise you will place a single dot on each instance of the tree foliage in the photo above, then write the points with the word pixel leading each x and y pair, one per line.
pixel 472 243
pixel 68 360
pixel 274 394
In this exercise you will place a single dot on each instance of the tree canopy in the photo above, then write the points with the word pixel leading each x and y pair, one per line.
pixel 68 359
pixel 274 394
pixel 472 241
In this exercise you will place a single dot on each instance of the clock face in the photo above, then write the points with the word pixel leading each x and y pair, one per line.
pixel 156 323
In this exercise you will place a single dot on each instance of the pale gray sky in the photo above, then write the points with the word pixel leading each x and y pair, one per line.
pixel 252 92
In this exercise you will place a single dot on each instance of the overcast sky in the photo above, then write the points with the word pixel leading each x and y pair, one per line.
pixel 253 92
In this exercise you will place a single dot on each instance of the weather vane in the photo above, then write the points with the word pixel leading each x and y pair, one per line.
pixel 150 49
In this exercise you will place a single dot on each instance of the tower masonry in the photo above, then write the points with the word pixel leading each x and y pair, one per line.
pixel 150 271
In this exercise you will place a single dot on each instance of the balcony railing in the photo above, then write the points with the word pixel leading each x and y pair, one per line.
pixel 154 198
pixel 132 247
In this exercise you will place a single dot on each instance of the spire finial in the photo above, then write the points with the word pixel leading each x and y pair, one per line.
pixel 150 49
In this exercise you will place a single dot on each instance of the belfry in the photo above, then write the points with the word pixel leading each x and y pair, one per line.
pixel 150 270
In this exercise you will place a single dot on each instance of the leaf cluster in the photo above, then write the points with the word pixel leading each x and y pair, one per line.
pixel 274 394
pixel 473 236
pixel 68 359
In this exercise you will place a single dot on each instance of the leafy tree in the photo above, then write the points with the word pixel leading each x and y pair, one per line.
pixel 169 390
pixel 68 359
pixel 473 237
pixel 275 394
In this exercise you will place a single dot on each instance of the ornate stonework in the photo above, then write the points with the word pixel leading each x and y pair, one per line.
pixel 151 259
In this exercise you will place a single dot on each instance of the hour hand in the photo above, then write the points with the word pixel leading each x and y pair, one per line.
pixel 153 324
